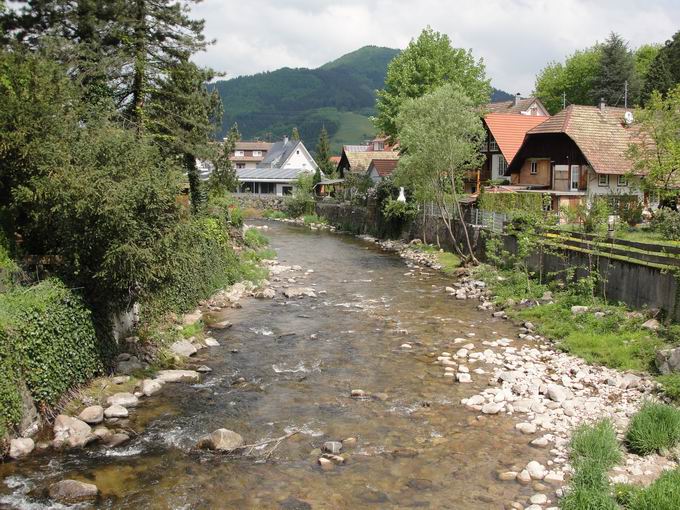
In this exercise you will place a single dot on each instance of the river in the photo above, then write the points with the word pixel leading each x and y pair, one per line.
pixel 417 446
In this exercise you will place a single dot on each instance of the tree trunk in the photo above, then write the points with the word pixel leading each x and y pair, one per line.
pixel 195 191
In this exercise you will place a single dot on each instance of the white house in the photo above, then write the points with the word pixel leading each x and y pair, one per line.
pixel 277 172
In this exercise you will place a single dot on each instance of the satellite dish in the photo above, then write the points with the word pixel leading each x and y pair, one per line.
pixel 628 117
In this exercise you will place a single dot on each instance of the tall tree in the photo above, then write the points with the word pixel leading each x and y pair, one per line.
pixel 295 135
pixel 323 154
pixel 570 83
pixel 664 71
pixel 182 116
pixel 617 68
pixel 441 135
pixel 657 153
pixel 223 177
pixel 427 63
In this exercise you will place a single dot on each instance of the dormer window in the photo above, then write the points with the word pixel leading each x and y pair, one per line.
pixel 378 146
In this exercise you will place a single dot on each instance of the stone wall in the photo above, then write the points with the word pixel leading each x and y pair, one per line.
pixel 259 202
pixel 637 285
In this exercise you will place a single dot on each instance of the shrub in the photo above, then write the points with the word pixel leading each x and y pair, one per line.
pixel 274 215
pixel 313 218
pixel 654 427
pixel 667 223
pixel 630 211
pixel 394 210
pixel 302 200
pixel 595 445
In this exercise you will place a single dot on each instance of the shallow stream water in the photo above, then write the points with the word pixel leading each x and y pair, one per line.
pixel 418 447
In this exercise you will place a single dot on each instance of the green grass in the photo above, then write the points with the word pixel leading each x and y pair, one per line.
pixel 192 329
pixel 663 494
pixel 595 444
pixel 671 386
pixel 274 215
pixel 353 128
pixel 448 260
pixel 255 239
pixel 655 427
pixel 313 218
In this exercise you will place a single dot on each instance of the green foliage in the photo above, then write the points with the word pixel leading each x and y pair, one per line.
pixel 356 187
pixel 591 217
pixel 302 200
pixel 313 218
pixel 667 223
pixel 399 211
pixel 630 211
pixel 223 177
pixel 339 96
pixel 323 155
pixel 512 202
pixel 50 339
pixel 255 239
pixel 671 386
pixel 659 158
pixel 595 444
pixel 663 73
pixel 654 427
pixel 426 64
pixel 274 215
pixel 575 78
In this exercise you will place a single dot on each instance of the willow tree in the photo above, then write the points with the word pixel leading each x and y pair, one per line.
pixel 441 135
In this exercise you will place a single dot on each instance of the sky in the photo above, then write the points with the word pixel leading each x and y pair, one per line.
pixel 516 38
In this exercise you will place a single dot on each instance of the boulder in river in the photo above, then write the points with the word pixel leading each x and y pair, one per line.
pixel 298 292
pixel 332 446
pixel 20 447
pixel 116 411
pixel 211 342
pixel 71 431
pixel 183 348
pixel 223 440
pixel 92 415
pixel 151 386
pixel 72 491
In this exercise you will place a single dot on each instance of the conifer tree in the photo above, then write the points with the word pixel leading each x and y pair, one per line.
pixel 323 154
pixel 664 72
pixel 617 67
pixel 224 177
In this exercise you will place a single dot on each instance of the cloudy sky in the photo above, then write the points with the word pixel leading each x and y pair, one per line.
pixel 516 38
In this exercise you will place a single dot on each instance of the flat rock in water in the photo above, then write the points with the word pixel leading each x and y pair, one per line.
pixel 72 491
pixel 123 399
pixel 221 439
pixel 116 440
pixel 92 415
pixel 151 386
pixel 172 376
pixel 297 292
pixel 221 325
pixel 71 431
pixel 116 411
pixel 183 348
pixel 211 342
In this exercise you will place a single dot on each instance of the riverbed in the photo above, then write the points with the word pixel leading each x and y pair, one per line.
pixel 290 365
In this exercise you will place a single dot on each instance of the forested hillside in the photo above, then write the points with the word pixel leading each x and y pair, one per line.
pixel 339 95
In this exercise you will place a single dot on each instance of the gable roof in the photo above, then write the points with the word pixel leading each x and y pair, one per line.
pixel 282 151
pixel 522 105
pixel 383 167
pixel 601 135
pixel 510 129
pixel 255 145
pixel 359 161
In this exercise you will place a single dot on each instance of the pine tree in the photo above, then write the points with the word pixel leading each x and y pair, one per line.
pixel 224 177
pixel 617 66
pixel 323 154
pixel 664 72
pixel 295 135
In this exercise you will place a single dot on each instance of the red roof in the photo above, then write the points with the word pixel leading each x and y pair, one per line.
pixel 384 167
pixel 509 130
pixel 335 160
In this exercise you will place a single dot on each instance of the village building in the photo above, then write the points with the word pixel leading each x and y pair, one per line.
pixel 379 169
pixel 247 154
pixel 356 159
pixel 580 153
pixel 530 106
pixel 277 173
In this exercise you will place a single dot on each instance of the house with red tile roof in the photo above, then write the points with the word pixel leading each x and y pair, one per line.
pixel 378 169
pixel 578 154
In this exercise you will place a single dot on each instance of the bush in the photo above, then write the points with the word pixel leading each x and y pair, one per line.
pixel 667 223
pixel 663 494
pixel 654 427
pixel 302 200
pixel 255 239
pixel 274 215
pixel 47 338
pixel 630 211
pixel 313 218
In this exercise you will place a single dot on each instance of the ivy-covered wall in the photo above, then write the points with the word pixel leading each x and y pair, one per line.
pixel 47 339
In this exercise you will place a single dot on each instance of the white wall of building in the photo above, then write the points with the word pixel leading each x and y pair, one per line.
pixel 612 187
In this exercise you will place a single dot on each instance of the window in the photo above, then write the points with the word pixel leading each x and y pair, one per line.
pixel 378 146
pixel 622 181
pixel 257 154
pixel 603 180
pixel 485 146
pixel 534 167
pixel 492 145
pixel 239 154
pixel 240 165
pixel 267 188
pixel 575 177
pixel 287 190
pixel 502 165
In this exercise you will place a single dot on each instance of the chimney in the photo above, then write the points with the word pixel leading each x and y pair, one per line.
pixel 518 96
pixel 285 139
pixel 602 104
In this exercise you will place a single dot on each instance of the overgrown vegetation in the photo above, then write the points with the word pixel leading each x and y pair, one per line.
pixel 655 427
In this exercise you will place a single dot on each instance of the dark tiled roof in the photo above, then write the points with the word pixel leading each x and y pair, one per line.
pixel 256 145
pixel 602 135
pixel 510 106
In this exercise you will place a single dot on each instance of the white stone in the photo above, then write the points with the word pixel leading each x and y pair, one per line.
pixel 116 411
pixel 211 342
pixel 123 399
pixel 172 376
pixel 536 470
pixel 20 447
pixel 492 408
pixel 151 386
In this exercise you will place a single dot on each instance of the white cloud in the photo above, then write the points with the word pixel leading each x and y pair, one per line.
pixel 516 38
